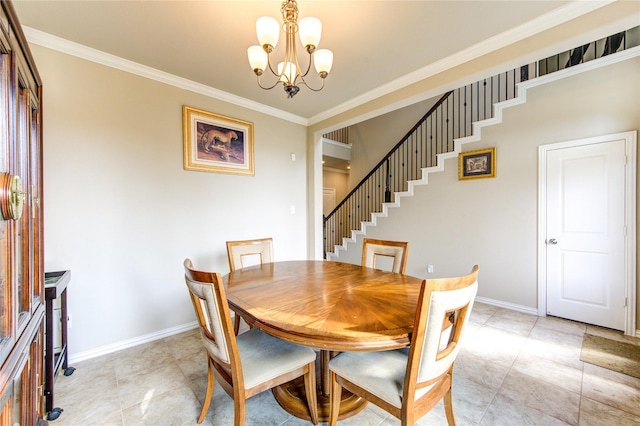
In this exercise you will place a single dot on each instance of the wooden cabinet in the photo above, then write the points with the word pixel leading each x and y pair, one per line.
pixel 21 261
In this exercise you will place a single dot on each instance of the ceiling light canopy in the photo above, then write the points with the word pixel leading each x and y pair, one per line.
pixel 288 72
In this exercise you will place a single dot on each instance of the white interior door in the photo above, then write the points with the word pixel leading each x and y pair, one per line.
pixel 328 200
pixel 585 238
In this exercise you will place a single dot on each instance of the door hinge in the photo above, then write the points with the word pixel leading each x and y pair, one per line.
pixel 625 302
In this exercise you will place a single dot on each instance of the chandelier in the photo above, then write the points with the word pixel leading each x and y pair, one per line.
pixel 289 73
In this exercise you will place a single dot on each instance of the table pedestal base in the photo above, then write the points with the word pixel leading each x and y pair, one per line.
pixel 292 399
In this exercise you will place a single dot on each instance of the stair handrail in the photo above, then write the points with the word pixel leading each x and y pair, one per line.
pixel 391 152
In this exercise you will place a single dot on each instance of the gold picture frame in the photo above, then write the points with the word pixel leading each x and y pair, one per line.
pixel 477 164
pixel 216 143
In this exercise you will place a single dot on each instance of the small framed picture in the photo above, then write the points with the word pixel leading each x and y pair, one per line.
pixel 477 164
pixel 215 143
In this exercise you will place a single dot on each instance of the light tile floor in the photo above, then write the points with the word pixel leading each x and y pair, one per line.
pixel 514 369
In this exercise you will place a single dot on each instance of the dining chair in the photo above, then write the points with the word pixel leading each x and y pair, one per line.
pixel 396 250
pixel 409 383
pixel 238 251
pixel 250 250
pixel 247 364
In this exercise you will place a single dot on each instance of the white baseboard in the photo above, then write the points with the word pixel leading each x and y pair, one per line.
pixel 519 308
pixel 104 350
pixel 506 305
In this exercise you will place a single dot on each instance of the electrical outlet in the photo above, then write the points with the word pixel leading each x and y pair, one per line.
pixel 430 269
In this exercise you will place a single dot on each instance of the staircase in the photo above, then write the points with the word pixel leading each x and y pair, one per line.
pixel 455 119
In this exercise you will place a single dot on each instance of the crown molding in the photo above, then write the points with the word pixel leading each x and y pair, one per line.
pixel 81 51
pixel 542 23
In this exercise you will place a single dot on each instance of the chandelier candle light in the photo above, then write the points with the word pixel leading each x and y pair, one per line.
pixel 288 74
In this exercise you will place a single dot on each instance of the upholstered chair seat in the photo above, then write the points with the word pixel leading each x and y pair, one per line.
pixel 264 358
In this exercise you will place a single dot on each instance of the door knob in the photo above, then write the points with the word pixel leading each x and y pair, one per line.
pixel 552 241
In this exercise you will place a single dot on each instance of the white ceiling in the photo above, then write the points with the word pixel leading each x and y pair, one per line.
pixel 374 42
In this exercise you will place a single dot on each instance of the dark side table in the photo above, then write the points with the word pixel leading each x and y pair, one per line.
pixel 55 286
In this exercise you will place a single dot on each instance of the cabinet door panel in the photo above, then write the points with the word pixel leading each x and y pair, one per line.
pixel 7 338
pixel 22 253
pixel 35 188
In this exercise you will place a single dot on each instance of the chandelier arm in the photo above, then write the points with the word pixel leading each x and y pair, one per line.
pixel 269 87
pixel 270 67
pixel 308 67
pixel 302 81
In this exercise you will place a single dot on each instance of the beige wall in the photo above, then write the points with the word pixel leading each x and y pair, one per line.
pixel 454 224
pixel 122 214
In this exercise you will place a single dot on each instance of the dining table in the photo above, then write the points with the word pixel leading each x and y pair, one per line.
pixel 330 306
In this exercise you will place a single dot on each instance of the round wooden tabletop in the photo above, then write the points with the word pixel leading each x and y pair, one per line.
pixel 327 305
pixel 330 306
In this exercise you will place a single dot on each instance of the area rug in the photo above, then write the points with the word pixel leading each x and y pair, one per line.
pixel 611 354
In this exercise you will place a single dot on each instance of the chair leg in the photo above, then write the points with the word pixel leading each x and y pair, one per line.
pixel 236 323
pixel 448 408
pixel 311 391
pixel 335 392
pixel 240 410
pixel 207 397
